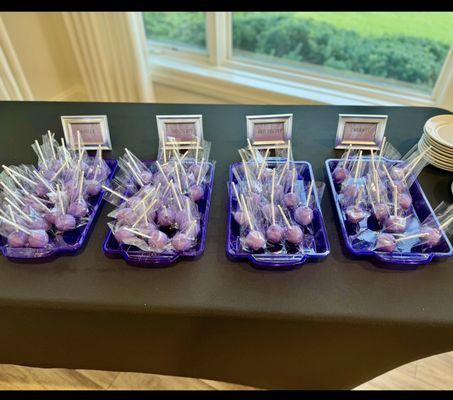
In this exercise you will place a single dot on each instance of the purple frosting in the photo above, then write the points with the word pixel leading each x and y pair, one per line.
pixel 385 242
pixel 340 174
pixel 38 239
pixel 255 240
pixel 165 216
pixel 39 223
pixel 146 177
pixel 93 187
pixel 17 239
pixel 182 242
pixel 303 215
pixel 127 215
pixel 395 224
pixel 274 233
pixel 196 192
pixel 404 200
pixel 78 209
pixel 294 234
pixel 355 214
pixel 65 222
pixel 122 234
pixel 380 211
pixel 433 236
pixel 240 217
pixel 158 240
pixel 267 210
pixel 397 173
pixel 290 200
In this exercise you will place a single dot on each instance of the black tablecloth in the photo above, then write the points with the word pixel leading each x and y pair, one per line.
pixel 330 324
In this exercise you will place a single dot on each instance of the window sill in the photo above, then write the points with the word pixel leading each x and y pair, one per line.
pixel 238 82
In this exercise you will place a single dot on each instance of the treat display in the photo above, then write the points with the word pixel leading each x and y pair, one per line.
pixel 48 209
pixel 161 207
pixel 380 205
pixel 273 211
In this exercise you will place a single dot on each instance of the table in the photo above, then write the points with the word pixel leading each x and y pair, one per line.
pixel 331 324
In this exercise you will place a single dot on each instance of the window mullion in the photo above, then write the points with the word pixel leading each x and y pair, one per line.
pixel 218 33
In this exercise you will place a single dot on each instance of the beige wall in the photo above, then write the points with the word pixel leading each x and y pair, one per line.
pixel 42 46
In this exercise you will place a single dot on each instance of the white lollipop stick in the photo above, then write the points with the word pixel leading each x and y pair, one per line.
pixel 162 172
pixel 395 201
pixel 247 212
pixel 79 143
pixel 14 195
pixel 145 197
pixel 40 202
pixel 43 181
pixel 196 150
pixel 179 162
pixel 12 171
pixel 381 150
pixel 359 161
pixel 199 172
pixel 252 151
pixel 81 186
pixel 59 171
pixel 178 179
pixel 284 216
pixel 38 147
pixel 132 160
pixel 345 162
pixel 272 196
pixel 145 213
pixel 288 151
pixel 446 222
pixel 51 144
pixel 359 196
pixel 237 195
pixel 60 198
pixel 411 236
pixel 25 216
pixel 310 190
pixel 388 175
pixel 26 231
pixel 176 195
pixel 293 179
pixel 11 214
pixel 285 167
pixel 140 182
pixel 137 233
pixel 65 151
pixel 114 193
pixel 263 163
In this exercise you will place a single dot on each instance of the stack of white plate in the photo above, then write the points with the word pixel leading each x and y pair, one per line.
pixel 438 133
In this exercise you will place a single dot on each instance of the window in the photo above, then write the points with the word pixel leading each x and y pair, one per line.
pixel 176 29
pixel 406 48
pixel 370 58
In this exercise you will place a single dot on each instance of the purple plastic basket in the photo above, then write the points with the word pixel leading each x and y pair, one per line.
pixel 422 210
pixel 68 243
pixel 276 261
pixel 139 258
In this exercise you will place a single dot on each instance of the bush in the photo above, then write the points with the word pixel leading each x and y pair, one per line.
pixel 407 59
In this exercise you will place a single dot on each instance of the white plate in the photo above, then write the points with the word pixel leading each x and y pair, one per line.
pixel 440 127
pixel 447 166
pixel 433 142
pixel 436 153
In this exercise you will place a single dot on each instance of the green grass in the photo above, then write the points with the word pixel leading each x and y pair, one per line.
pixel 432 25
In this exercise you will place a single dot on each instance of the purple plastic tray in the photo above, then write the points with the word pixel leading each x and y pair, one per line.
pixel 276 261
pixel 422 210
pixel 68 243
pixel 139 258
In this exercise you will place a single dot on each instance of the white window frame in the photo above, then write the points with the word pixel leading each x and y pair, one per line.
pixel 215 73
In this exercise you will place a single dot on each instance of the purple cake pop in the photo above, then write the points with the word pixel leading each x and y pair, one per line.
pixel 17 239
pixel 165 216
pixel 395 224
pixel 274 233
pixel 290 200
pixel 266 175
pixel 397 173
pixel 350 190
pixel 50 217
pixel 65 222
pixel 41 190
pixel 195 169
pixel 240 217
pixel 294 234
pixel 78 209
pixel 404 200
pixel 158 240
pixel 380 211
pixel 355 214
pixel 255 240
pixel 385 242
pixel 255 199
pixel 303 215
pixel 182 242
pixel 93 187
pixel 267 210
pixel 127 215
pixel 278 192
pixel 146 177
pixel 196 192
pixel 432 237
pixel 39 223
pixel 340 174
pixel 122 234
pixel 38 239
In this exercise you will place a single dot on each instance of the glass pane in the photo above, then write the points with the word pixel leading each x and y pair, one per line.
pixel 176 28
pixel 401 48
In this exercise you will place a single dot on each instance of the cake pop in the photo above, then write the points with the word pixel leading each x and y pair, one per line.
pixel 274 233
pixel 122 234
pixel 303 215
pixel 397 173
pixel 240 217
pixel 395 224
pixel 17 239
pixel 355 214
pixel 380 211
pixel 340 174
pixel 182 242
pixel 290 200
pixel 255 240
pixel 38 239
pixel 431 236
pixel 65 222
pixel 294 234
pixel 158 240
pixel 78 209
pixel 127 215
pixel 93 187
pixel 405 200
pixel 385 242
pixel 165 216
pixel 196 192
